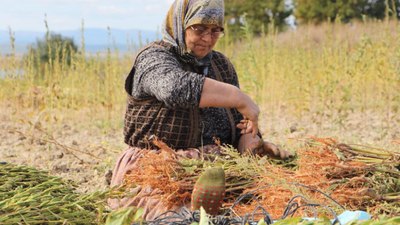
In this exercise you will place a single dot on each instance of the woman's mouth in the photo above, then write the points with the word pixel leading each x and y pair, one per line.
pixel 202 47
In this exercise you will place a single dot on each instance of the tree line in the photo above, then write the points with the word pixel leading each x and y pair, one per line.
pixel 260 14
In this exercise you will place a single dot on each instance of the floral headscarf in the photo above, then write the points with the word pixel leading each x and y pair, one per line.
pixel 185 13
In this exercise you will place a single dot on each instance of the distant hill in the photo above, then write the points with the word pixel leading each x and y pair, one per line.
pixel 96 39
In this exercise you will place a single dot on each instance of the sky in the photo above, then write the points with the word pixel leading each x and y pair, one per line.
pixel 29 15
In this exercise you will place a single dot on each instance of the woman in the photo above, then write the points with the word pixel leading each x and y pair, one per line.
pixel 186 94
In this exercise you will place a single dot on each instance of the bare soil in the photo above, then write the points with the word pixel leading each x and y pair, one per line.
pixel 80 145
pixel 75 145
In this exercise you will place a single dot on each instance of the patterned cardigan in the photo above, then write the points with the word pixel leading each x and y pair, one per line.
pixel 163 101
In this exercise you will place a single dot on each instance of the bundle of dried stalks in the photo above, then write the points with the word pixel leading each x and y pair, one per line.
pixel 325 175
pixel 161 170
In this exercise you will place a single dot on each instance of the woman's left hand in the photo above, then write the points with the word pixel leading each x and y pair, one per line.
pixel 257 146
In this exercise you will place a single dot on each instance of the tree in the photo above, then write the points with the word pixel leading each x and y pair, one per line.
pixel 55 47
pixel 256 13
pixel 317 11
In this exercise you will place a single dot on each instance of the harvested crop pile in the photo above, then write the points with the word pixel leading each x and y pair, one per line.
pixel 325 178
pixel 30 196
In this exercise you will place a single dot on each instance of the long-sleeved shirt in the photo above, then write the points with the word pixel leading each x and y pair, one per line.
pixel 164 101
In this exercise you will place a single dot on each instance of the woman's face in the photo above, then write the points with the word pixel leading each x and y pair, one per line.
pixel 201 39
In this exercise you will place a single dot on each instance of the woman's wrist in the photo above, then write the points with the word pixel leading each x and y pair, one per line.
pixel 239 99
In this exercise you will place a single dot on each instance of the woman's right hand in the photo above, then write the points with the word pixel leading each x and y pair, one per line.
pixel 220 94
pixel 246 126
pixel 250 112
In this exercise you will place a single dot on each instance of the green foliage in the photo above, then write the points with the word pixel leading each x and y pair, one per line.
pixel 258 14
pixel 344 10
pixel 31 196
pixel 295 220
pixel 55 48
pixel 124 216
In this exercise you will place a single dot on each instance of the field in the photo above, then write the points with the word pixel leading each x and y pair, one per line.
pixel 339 81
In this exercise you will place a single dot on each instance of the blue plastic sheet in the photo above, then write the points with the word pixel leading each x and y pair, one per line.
pixel 348 216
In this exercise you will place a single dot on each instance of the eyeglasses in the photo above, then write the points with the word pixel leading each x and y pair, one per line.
pixel 203 31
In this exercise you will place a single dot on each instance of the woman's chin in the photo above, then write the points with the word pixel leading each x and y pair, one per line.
pixel 201 55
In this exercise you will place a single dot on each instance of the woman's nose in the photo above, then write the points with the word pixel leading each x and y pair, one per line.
pixel 207 36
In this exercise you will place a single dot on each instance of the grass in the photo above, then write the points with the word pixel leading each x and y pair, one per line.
pixel 323 74
pixel 329 71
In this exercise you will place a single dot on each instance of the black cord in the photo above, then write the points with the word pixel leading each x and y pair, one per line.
pixel 326 195
pixel 185 216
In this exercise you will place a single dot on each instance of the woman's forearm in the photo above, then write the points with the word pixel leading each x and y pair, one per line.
pixel 219 94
